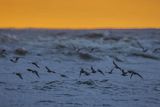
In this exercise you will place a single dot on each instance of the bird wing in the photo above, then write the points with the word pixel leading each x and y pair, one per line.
pixel 29 70
pixel 20 76
pixel 139 75
pixel 116 66
pixel 80 74
pixel 62 75
pixel 93 70
pixel 131 75
pixel 111 70
pixel 53 71
pixel 101 72
pixel 17 58
pixel 37 74
pixel 35 64
pixel 47 68
pixel 12 60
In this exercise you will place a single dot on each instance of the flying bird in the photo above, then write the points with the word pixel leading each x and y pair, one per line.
pixel 82 71
pixel 34 72
pixel 49 71
pixel 19 75
pixel 134 73
pixel 15 59
pixel 116 66
pixel 35 64
pixel 93 70
pixel 100 71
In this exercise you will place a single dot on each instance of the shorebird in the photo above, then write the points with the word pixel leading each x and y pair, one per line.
pixel 82 71
pixel 116 66
pixel 100 71
pixel 15 59
pixel 34 72
pixel 35 64
pixel 134 73
pixel 93 70
pixel 49 71
pixel 19 75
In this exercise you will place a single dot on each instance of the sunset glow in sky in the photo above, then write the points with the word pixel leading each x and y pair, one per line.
pixel 80 13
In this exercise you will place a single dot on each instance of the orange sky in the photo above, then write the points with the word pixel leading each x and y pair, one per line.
pixel 80 13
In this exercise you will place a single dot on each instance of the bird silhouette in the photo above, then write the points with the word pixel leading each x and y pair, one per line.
pixel 82 71
pixel 134 73
pixel 116 66
pixel 15 59
pixel 35 64
pixel 49 71
pixel 34 72
pixel 93 70
pixel 19 75
pixel 100 71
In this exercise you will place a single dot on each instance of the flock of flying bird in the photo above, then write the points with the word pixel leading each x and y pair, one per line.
pixel 15 60
pixel 123 71
pixel 82 71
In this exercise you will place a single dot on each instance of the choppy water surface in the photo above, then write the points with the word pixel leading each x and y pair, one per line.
pixel 66 52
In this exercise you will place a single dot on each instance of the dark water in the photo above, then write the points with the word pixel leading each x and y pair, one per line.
pixel 66 52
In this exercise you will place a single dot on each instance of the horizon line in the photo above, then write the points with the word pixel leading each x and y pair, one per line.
pixel 94 28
